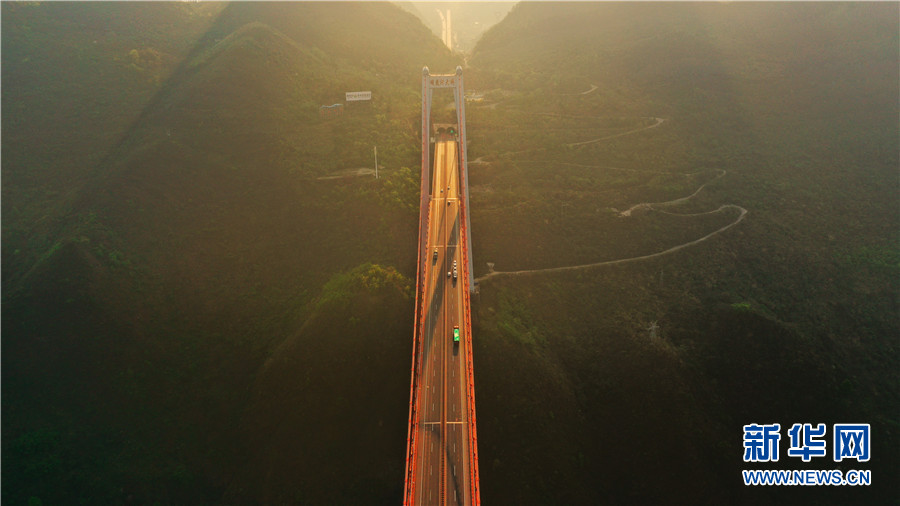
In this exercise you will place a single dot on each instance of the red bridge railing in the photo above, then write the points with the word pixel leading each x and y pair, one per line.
pixel 424 220
pixel 470 370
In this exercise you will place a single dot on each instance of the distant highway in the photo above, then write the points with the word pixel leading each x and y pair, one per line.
pixel 442 467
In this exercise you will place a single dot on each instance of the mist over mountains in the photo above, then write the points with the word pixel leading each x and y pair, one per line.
pixel 207 296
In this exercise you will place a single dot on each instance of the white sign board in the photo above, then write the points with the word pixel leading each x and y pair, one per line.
pixel 355 96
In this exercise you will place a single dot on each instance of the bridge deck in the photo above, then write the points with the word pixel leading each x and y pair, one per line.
pixel 442 458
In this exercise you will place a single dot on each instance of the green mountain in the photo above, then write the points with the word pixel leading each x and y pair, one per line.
pixel 206 294
pixel 76 78
pixel 144 300
pixel 325 404
pixel 642 132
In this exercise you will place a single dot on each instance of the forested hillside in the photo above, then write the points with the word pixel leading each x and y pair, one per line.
pixel 684 220
pixel 175 210
pixel 685 216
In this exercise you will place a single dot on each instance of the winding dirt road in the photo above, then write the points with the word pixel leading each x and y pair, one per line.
pixel 673 249
pixel 627 213
pixel 651 205
pixel 659 121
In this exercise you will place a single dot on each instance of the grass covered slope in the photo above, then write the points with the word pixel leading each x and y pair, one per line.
pixel 787 111
pixel 197 244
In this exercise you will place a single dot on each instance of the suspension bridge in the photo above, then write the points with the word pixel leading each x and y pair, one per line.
pixel 442 443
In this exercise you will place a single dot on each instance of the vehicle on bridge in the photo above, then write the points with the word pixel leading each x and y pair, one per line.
pixel 442 449
pixel 434 257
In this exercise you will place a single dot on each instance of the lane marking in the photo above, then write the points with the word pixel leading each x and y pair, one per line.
pixel 437 357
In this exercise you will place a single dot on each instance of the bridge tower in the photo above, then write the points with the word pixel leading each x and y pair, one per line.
pixel 430 82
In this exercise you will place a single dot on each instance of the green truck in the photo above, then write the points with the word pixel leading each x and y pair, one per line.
pixel 456 333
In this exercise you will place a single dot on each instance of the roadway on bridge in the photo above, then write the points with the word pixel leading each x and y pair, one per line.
pixel 442 473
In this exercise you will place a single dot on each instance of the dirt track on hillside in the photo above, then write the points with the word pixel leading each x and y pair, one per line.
pixel 627 214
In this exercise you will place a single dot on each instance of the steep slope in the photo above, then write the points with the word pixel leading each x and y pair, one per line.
pixel 376 36
pixel 469 20
pixel 325 407
pixel 75 78
pixel 197 245
pixel 786 110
